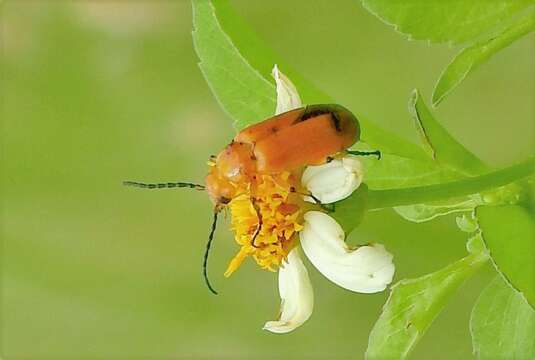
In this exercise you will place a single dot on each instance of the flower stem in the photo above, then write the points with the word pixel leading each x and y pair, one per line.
pixel 379 199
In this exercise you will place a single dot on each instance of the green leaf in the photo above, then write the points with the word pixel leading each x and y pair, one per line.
pixel 529 187
pixel 425 212
pixel 491 25
pixel 476 246
pixel 259 55
pixel 440 145
pixel 349 212
pixel 445 21
pixel 446 151
pixel 393 171
pixel 489 182
pixel 237 66
pixel 241 90
pixel 502 324
pixel 413 305
pixel 509 235
pixel 467 222
pixel 473 56
pixel 373 137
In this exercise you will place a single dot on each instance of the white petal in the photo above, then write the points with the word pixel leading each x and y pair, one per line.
pixel 368 269
pixel 287 95
pixel 297 297
pixel 334 180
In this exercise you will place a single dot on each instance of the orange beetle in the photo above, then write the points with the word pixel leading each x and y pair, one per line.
pixel 287 142
pixel 291 140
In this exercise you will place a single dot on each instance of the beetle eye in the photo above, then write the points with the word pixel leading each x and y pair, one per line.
pixel 224 200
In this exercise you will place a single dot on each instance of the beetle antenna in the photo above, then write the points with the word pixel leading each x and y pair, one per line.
pixel 166 185
pixel 206 252
pixel 260 222
pixel 365 153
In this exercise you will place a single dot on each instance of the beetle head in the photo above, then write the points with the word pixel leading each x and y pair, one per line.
pixel 220 190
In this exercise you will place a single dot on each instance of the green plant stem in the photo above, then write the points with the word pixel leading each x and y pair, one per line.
pixel 379 199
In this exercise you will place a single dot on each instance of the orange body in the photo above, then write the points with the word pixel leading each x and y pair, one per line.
pixel 286 142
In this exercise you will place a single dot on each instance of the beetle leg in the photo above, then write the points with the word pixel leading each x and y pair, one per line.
pixel 260 223
pixel 325 207
pixel 365 153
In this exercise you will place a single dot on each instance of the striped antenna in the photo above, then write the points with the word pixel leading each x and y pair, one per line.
pixel 206 252
pixel 166 185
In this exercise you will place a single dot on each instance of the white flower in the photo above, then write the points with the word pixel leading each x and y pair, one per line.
pixel 297 297
pixel 287 95
pixel 366 269
pixel 334 180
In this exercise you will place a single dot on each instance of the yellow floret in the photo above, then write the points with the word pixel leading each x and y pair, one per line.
pixel 269 198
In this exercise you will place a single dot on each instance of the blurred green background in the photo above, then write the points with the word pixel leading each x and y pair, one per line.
pixel 94 93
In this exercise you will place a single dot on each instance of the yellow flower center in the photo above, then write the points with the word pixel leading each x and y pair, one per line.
pixel 266 216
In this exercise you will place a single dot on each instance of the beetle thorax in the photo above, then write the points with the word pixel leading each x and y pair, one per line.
pixel 236 161
pixel 232 168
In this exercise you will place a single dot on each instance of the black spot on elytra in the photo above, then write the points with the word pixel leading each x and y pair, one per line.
pixel 312 112
pixel 336 121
